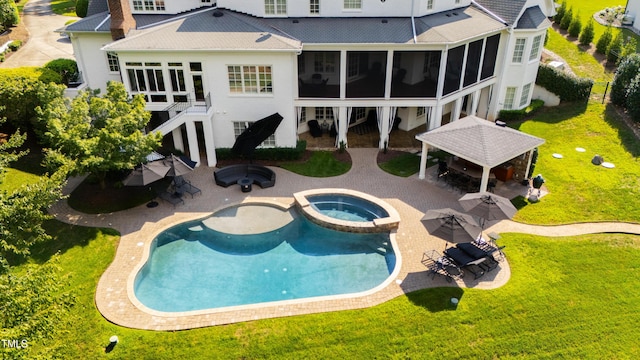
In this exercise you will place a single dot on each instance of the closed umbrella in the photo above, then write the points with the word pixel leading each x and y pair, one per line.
pixel 488 206
pixel 179 165
pixel 451 225
pixel 146 174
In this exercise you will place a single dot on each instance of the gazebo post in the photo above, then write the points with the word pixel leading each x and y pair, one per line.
pixel 423 160
pixel 485 178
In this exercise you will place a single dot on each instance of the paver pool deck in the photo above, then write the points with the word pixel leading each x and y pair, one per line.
pixel 411 197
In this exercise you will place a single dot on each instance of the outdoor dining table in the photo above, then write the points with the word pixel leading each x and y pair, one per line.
pixel 462 168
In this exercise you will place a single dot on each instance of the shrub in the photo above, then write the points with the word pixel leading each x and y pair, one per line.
pixel 566 86
pixel 15 45
pixel 627 70
pixel 9 15
pixel 566 19
pixel 575 26
pixel 277 153
pixel 587 34
pixel 633 99
pixel 560 12
pixel 603 42
pixel 614 49
pixel 629 48
pixel 67 68
pixel 515 115
pixel 82 6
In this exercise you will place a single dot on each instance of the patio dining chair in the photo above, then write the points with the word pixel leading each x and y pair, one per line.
pixel 184 186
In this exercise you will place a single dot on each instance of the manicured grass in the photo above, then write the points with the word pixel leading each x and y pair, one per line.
pixel 321 164
pixel 582 63
pixel 580 191
pixel 408 164
pixel 64 7
pixel 559 303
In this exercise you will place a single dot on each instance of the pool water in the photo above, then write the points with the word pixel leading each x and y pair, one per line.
pixel 192 267
pixel 344 207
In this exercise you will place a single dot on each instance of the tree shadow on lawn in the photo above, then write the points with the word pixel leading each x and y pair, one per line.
pixel 615 117
pixel 433 299
pixel 64 237
pixel 553 114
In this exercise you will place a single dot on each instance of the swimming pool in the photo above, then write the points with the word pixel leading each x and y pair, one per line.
pixel 346 207
pixel 196 266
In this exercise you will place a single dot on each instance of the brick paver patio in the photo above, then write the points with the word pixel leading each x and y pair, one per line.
pixel 411 197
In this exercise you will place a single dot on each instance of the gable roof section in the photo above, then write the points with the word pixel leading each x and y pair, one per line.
pixel 203 31
pixel 533 18
pixel 480 141
pixel 455 25
pixel 507 10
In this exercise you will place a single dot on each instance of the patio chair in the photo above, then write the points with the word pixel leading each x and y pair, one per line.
pixel 184 186
pixel 443 170
pixel 437 264
pixel 171 197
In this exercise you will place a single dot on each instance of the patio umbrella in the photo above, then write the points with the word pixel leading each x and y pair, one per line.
pixel 179 165
pixel 451 225
pixel 255 134
pixel 146 174
pixel 488 206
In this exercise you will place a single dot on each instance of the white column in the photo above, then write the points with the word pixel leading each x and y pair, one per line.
pixel 474 102
pixel 192 139
pixel 436 118
pixel 177 139
pixel 485 178
pixel 343 122
pixel 343 74
pixel 456 108
pixel 423 161
pixel 384 127
pixel 389 75
pixel 210 146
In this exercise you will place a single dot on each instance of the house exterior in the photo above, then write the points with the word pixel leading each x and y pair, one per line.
pixel 208 69
pixel 632 10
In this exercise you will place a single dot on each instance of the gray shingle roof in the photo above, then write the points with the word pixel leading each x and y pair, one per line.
pixel 480 141
pixel 533 18
pixel 507 10
pixel 97 6
pixel 203 31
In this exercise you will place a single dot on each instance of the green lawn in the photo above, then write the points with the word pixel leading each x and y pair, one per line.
pixel 558 303
pixel 321 164
pixel 63 7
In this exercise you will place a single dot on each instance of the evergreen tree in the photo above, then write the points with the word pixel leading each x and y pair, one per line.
pixel 627 70
pixel 633 99
pixel 587 34
pixel 9 15
pixel 615 49
pixel 560 12
pixel 575 26
pixel 566 19
pixel 603 42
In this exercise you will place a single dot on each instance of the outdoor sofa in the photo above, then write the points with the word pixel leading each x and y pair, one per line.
pixel 260 175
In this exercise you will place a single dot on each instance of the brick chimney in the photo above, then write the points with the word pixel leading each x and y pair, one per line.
pixel 121 18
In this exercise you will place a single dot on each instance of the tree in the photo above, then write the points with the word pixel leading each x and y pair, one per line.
pixel 633 99
pixel 627 70
pixel 9 15
pixel 99 133
pixel 82 6
pixel 629 47
pixel 604 41
pixel 575 26
pixel 560 12
pixel 587 34
pixel 23 211
pixel 615 49
pixel 566 19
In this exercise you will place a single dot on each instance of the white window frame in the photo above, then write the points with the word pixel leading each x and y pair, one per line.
pixel 509 98
pixel 241 126
pixel 250 79
pixel 275 7
pixel 524 97
pixel 112 62
pixel 352 5
pixel 518 50
pixel 324 113
pixel 420 111
pixel 535 48
pixel 430 4
pixel 303 115
pixel 138 5
pixel 148 79
pixel 314 7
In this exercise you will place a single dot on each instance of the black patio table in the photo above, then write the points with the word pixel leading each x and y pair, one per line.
pixel 472 250
pixel 466 261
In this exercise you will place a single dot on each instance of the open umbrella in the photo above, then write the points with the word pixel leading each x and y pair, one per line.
pixel 255 134
pixel 451 225
pixel 488 206
pixel 146 174
pixel 179 165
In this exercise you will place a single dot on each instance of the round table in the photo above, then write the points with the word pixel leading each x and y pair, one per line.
pixel 245 184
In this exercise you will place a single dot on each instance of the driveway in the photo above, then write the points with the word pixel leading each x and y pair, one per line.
pixel 44 44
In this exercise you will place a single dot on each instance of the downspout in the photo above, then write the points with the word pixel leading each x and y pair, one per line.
pixel 413 23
